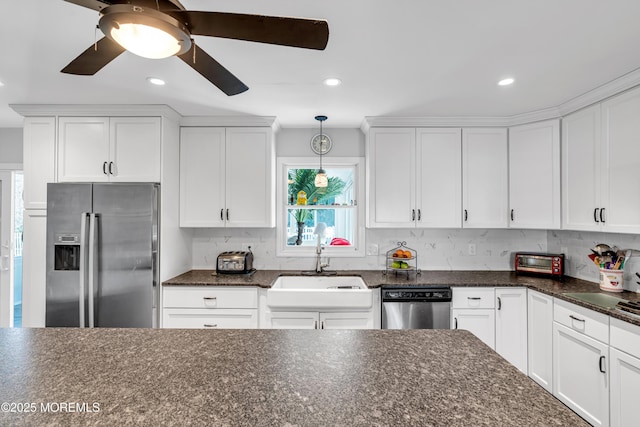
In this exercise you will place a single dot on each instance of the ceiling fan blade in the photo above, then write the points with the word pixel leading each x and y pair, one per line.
pixel 295 32
pixel 92 60
pixel 92 4
pixel 213 71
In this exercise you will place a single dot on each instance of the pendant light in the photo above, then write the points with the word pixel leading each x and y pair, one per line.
pixel 321 180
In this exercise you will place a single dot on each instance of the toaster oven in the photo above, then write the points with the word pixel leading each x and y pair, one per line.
pixel 544 264
pixel 235 262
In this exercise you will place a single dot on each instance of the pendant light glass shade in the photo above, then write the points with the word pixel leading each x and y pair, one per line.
pixel 321 180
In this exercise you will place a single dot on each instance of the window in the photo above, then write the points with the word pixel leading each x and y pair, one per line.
pixel 306 213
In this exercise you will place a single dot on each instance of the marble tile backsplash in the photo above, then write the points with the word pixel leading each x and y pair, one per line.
pixel 438 249
pixel 577 245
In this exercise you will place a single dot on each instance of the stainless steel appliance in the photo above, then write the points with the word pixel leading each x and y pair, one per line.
pixel 551 265
pixel 235 262
pixel 416 307
pixel 102 248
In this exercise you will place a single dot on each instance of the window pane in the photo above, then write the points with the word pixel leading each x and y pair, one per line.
pixel 340 190
pixel 339 231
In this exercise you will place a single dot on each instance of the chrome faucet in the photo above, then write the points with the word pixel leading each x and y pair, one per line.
pixel 319 264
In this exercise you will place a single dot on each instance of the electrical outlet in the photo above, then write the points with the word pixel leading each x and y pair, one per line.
pixel 372 249
pixel 472 248
pixel 247 246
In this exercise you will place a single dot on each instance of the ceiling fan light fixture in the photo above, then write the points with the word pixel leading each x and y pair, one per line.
pixel 145 32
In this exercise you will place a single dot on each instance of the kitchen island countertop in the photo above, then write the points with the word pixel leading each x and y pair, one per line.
pixel 375 279
pixel 264 378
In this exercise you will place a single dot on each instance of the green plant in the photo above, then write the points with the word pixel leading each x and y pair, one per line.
pixel 303 180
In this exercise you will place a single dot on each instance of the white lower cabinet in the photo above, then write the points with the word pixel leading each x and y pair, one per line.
pixel 581 362
pixel 511 326
pixel 222 307
pixel 319 320
pixel 540 339
pixel 624 371
pixel 480 322
pixel 473 309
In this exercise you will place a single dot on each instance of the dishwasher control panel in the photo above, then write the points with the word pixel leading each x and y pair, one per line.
pixel 393 293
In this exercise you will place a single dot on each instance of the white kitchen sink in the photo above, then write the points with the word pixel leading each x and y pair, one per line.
pixel 319 292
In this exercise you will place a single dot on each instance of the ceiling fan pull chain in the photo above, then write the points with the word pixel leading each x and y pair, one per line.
pixel 194 50
pixel 95 38
pixel 157 5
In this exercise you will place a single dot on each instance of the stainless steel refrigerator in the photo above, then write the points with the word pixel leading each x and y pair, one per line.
pixel 102 247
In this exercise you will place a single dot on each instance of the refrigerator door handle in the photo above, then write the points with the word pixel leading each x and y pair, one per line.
pixel 83 261
pixel 91 267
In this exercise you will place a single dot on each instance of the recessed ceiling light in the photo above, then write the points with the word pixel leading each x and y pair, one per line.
pixel 506 82
pixel 156 81
pixel 332 81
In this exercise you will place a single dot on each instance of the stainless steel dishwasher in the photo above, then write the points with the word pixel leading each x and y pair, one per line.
pixel 414 307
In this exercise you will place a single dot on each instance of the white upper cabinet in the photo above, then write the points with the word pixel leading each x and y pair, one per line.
pixel 439 178
pixel 620 163
pixel 227 177
pixel 134 149
pixel 600 164
pixel 391 177
pixel 250 171
pixel 414 177
pixel 39 150
pixel 202 172
pixel 581 170
pixel 534 175
pixel 102 149
pixel 484 178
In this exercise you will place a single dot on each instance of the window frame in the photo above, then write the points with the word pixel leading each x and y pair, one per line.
pixel 285 163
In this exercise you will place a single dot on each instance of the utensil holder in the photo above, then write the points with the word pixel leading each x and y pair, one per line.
pixel 611 280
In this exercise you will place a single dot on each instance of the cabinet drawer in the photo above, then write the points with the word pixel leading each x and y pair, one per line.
pixel 203 318
pixel 210 297
pixel 581 319
pixel 473 298
pixel 625 337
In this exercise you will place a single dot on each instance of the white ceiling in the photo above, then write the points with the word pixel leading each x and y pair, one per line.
pixel 405 58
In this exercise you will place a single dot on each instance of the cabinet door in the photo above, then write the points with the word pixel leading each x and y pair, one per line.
pixel 34 268
pixel 391 176
pixel 540 339
pixel 534 175
pixel 355 320
pixel 480 322
pixel 578 380
pixel 511 326
pixel 134 149
pixel 439 178
pixel 250 178
pixel 580 169
pixel 485 178
pixel 209 318
pixel 620 174
pixel 39 149
pixel 292 320
pixel 202 171
pixel 625 388
pixel 83 149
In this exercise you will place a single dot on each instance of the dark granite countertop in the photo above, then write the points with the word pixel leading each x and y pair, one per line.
pixel 375 279
pixel 265 378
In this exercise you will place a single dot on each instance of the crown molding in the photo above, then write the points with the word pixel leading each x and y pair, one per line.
pixel 232 121
pixel 111 110
pixel 599 94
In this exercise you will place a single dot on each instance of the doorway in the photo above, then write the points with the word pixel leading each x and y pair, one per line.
pixel 11 209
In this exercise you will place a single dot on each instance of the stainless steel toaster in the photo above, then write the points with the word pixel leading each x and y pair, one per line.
pixel 235 262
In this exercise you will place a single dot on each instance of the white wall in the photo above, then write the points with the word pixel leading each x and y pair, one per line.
pixel 577 245
pixel 10 146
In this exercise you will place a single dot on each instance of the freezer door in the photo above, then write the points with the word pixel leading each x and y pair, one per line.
pixel 66 208
pixel 126 254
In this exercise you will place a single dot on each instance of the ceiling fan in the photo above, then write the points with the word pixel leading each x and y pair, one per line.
pixel 163 28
